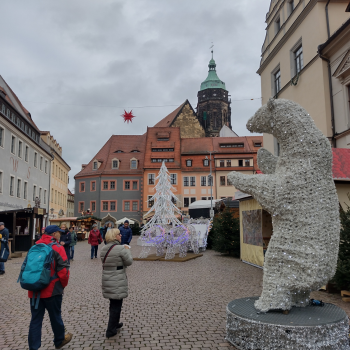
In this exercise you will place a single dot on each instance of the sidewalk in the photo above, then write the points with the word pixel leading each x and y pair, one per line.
pixel 170 305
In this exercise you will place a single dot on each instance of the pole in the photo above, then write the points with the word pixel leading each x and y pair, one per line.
pixel 211 190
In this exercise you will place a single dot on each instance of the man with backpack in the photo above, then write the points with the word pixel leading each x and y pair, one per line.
pixel 50 297
pixel 4 232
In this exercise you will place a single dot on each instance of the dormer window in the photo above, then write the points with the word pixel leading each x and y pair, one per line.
pixel 95 165
pixel 257 144
pixel 135 151
pixel 119 151
pixel 115 164
pixel 206 162
pixel 188 162
pixel 133 164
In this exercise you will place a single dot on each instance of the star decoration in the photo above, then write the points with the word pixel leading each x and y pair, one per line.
pixel 127 116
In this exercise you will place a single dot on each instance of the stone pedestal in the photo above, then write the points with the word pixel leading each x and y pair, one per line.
pixel 312 327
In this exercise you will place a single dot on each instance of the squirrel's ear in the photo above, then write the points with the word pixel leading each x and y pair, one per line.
pixel 271 104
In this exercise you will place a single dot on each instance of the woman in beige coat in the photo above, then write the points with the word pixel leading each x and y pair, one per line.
pixel 115 257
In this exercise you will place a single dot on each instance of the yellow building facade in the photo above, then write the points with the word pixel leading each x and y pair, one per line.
pixel 58 206
pixel 291 66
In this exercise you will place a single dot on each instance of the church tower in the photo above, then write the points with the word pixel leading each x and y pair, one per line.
pixel 213 107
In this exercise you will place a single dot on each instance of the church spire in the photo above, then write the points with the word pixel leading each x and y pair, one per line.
pixel 212 81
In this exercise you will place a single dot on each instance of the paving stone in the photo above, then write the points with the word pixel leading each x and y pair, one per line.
pixel 170 305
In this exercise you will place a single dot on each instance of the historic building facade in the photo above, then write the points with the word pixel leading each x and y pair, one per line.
pixel 25 160
pixel 59 178
pixel 70 204
pixel 111 183
pixel 291 66
pixel 214 104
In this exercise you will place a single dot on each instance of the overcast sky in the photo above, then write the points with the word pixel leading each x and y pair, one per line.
pixel 76 64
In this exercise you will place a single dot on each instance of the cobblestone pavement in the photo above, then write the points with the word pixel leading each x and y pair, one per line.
pixel 170 305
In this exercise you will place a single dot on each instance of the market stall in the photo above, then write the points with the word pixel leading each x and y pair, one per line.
pixel 255 229
pixel 84 224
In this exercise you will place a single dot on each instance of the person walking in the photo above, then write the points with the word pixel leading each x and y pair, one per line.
pixel 94 239
pixel 4 232
pixel 115 257
pixel 51 296
pixel 66 240
pixel 126 233
pixel 73 242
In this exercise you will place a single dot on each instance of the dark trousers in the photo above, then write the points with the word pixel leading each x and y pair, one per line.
pixel 67 249
pixel 53 307
pixel 94 249
pixel 115 308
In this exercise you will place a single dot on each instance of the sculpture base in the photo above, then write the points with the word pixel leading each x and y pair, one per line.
pixel 311 327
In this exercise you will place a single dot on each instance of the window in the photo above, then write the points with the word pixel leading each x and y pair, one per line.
pixel 277 25
pixel 105 185
pixel 135 206
pixel 127 185
pixel 36 159
pixel 45 166
pixel 161 160
pixel 25 190
pixel 93 206
pixel 206 162
pixel 163 139
pixel 82 187
pixel 112 185
pixel 40 190
pixel 228 163
pixel 26 154
pixel 193 181
pixel 186 183
pixel 232 145
pixel 150 202
pixel 291 7
pixel 135 151
pixel 105 206
pixel 162 149
pixel 112 205
pixel 12 181
pixel 298 59
pixel 2 133
pixel 20 149
pixel 45 196
pixel 119 151
pixel 134 185
pixel 203 180
pixel 210 180
pixel 247 162
pixel 115 164
pixel 186 202
pixel 222 181
pixel 41 163
pixel 277 81
pixel 173 200
pixel 13 145
pixel 222 163
pixel 240 162
pixel 188 162
pixel 93 185
pixel 133 164
pixel 19 185
pixel 151 179
pixel 257 144
pixel 173 179
pixel 126 206
pixel 81 206
pixel 203 198
pixel 94 166
pixel 193 199
pixel 34 192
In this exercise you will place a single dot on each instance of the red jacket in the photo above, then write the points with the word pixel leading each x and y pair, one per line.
pixel 94 236
pixel 60 268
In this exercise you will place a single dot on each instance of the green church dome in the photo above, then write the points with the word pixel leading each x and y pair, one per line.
pixel 212 81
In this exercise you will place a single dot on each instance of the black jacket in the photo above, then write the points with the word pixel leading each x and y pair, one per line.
pixel 67 239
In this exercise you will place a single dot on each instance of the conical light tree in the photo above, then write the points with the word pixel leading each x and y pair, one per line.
pixel 164 209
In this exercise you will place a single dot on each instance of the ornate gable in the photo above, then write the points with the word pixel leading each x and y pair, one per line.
pixel 343 69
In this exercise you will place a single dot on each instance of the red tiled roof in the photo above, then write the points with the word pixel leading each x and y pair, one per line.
pixel 125 143
pixel 197 145
pixel 341 164
pixel 70 193
pixel 165 122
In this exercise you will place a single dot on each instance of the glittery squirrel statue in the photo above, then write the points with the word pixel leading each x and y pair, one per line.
pixel 297 189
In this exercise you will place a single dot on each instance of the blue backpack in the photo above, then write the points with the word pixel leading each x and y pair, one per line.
pixel 36 270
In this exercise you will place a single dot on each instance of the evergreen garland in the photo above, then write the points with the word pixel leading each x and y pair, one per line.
pixel 342 274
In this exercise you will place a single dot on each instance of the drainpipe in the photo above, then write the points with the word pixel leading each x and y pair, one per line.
pixel 327 19
pixel 334 143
